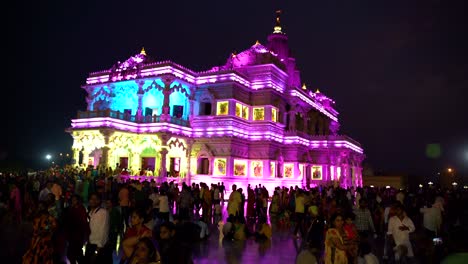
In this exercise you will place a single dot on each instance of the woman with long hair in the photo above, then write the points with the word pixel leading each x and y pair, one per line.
pixel 335 249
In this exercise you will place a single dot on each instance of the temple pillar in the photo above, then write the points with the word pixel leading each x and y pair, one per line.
pixel 167 80
pixel 189 161
pixel 76 157
pixel 306 128
pixel 292 120
pixel 85 157
pixel 163 162
pixel 104 161
pixel 140 94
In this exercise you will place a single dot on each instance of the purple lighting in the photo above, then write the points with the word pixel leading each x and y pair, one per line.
pixel 247 121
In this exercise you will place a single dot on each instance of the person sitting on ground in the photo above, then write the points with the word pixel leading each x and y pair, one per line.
pixel 135 233
pixel 366 256
pixel 264 231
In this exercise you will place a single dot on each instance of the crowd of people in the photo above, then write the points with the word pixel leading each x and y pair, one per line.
pixel 90 216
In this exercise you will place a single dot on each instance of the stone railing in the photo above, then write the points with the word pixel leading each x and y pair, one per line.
pixel 131 118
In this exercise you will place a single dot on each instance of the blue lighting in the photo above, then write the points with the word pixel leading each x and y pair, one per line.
pixel 125 97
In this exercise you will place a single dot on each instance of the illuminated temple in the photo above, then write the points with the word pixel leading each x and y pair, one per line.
pixel 247 121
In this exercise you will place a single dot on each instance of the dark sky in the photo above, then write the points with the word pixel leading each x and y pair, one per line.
pixel 398 70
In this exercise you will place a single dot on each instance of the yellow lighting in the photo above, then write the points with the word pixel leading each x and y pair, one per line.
pixel 222 108
pixel 318 91
pixel 304 87
pixel 143 52
pixel 258 113
pixel 449 169
pixel 274 115
pixel 257 43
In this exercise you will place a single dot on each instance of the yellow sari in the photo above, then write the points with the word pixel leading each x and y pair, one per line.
pixel 334 255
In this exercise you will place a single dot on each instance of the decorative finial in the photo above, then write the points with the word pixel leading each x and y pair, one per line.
pixel 143 52
pixel 304 87
pixel 277 28
pixel 233 54
pixel 257 43
pixel 318 91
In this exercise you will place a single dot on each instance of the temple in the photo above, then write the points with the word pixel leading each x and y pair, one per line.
pixel 248 121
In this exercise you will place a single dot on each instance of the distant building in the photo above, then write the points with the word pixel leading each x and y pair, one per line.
pixel 247 121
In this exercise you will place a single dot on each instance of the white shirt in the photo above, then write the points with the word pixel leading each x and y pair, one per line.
pixel 401 237
pixel 368 259
pixel 99 226
pixel 155 198
pixel 432 218
pixel 163 204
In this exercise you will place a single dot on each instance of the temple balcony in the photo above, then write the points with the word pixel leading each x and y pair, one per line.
pixel 132 118
pixel 131 123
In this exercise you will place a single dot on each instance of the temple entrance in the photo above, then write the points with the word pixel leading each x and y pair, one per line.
pixel 148 163
pixel 174 167
pixel 123 162
pixel 203 166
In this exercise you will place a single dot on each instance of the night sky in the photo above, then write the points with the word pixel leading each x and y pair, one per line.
pixel 398 70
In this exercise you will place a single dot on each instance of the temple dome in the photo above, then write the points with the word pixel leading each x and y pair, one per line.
pixel 255 55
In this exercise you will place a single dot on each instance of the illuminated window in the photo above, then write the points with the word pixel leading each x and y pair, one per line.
pixel 272 169
pixel 242 111
pixel 256 168
pixel 288 170
pixel 317 172
pixel 222 108
pixel 220 167
pixel 274 115
pixel 258 113
pixel 240 168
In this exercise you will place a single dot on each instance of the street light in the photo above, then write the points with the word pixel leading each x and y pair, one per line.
pixel 430 183
pixel 449 170
pixel 454 183
pixel 48 156
pixel 420 185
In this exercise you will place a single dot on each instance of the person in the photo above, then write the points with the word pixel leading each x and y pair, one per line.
pixel 15 198
pixel 399 227
pixel 351 238
pixel 315 231
pixel 41 249
pixel 432 220
pixel 99 231
pixel 115 223
pixel 264 231
pixel 76 228
pixel 335 249
pixel 44 192
pixel 163 206
pixel 363 220
pixel 134 233
pixel 366 256
pixel 154 196
pixel 145 253
pixel 171 249
pixel 124 203
pixel 299 209
pixel 234 201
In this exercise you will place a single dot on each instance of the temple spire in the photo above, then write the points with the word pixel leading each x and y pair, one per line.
pixel 143 52
pixel 277 28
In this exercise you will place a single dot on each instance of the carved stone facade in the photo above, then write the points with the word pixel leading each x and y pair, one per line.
pixel 247 121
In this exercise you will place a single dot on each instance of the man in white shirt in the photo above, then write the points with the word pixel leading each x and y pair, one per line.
pixel 96 252
pixel 399 227
pixel 432 219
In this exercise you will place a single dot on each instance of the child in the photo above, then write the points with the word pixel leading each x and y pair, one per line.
pixel 217 214
pixel 351 238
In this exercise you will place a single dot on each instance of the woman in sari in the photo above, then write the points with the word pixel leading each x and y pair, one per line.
pixel 41 249
pixel 335 249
